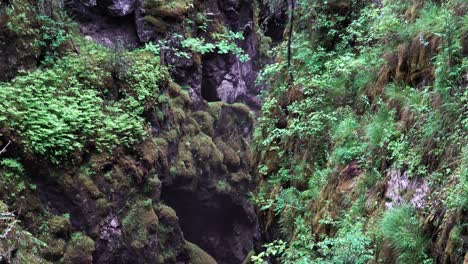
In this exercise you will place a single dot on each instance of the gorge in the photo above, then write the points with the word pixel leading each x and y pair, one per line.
pixel 184 131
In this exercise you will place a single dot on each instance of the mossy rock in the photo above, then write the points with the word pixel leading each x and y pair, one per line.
pixel 60 226
pixel 197 255
pixel 139 223
pixel 161 149
pixel 55 249
pixel 231 157
pixel 167 212
pixel 158 24
pixel 173 9
pixel 182 98
pixel 88 184
pixel 170 235
pixel 184 166
pixel 205 121
pixel 240 177
pixel 3 207
pixel 79 250
pixel 103 206
pixel 120 180
pixel 153 186
pixel 146 152
pixel 214 108
pixel 203 149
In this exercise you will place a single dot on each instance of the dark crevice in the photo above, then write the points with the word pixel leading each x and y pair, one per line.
pixel 208 91
pixel 214 67
pixel 212 223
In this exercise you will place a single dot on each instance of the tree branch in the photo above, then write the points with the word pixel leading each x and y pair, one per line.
pixel 5 148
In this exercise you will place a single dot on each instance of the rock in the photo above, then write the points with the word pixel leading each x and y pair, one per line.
pixel 79 250
pixel 144 31
pixel 60 226
pixel 198 256
pixel 88 2
pixel 119 8
pixel 401 189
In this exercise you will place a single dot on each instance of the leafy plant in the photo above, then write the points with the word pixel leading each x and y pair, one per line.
pixel 402 229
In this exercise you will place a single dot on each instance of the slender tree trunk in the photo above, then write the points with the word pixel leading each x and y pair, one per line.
pixel 292 6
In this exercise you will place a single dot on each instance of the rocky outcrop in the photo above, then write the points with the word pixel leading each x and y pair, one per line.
pixel 114 208
pixel 181 196
pixel 211 77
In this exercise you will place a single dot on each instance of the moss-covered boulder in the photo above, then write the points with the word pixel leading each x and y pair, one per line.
pixel 79 250
pixel 60 226
pixel 197 255
pixel 140 223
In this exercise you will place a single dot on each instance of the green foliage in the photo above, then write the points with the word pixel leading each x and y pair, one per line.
pixel 381 129
pixel 338 106
pixel 60 110
pixel 402 229
pixel 274 248
pixel 347 144
pixel 350 245
pixel 223 43
pixel 43 23
pixel 11 177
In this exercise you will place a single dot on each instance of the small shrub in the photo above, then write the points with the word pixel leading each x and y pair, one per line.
pixel 402 229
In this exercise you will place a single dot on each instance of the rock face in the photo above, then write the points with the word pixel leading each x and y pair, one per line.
pixel 188 182
pixel 213 77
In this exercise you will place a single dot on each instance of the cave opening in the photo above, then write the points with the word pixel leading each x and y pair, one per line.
pixel 212 223
pixel 208 89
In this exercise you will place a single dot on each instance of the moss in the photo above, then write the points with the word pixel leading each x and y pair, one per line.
pixel 120 180
pixel 231 157
pixel 153 185
pixel 191 127
pixel 223 186
pixel 240 176
pixel 3 207
pixel 79 250
pixel 182 98
pixel 174 9
pixel 158 24
pixel 60 226
pixel 203 149
pixel 146 152
pixel 87 183
pixel 243 112
pixel 161 148
pixel 168 234
pixel 103 206
pixel 184 166
pixel 170 135
pixel 215 109
pixel 205 121
pixel 197 255
pixel 139 222
pixel 55 249
pixel 167 212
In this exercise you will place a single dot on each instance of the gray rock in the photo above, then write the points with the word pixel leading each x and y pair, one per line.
pixel 120 7
pixel 144 31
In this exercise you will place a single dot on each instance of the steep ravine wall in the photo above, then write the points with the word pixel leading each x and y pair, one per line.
pixel 181 195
